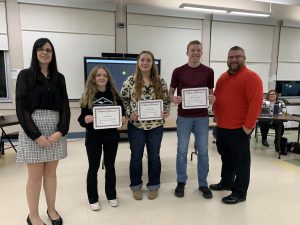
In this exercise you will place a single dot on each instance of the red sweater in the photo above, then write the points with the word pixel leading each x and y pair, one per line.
pixel 238 99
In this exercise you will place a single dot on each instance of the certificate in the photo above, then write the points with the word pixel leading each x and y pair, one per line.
pixel 195 98
pixel 107 117
pixel 150 109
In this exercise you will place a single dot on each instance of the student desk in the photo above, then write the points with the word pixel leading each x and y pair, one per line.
pixel 8 120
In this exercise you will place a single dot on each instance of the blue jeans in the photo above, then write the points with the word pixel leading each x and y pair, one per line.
pixel 137 140
pixel 199 126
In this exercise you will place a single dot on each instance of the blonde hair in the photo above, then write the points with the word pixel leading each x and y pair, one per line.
pixel 91 87
pixel 154 78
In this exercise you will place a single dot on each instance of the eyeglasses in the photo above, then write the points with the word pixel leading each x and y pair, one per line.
pixel 235 57
pixel 46 50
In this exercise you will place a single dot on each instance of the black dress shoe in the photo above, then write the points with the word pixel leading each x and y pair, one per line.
pixel 179 190
pixel 29 221
pixel 206 192
pixel 265 143
pixel 58 221
pixel 233 199
pixel 219 187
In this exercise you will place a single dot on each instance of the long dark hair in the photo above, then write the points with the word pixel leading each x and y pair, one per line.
pixel 35 66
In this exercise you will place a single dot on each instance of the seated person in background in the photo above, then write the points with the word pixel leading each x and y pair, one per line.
pixel 270 100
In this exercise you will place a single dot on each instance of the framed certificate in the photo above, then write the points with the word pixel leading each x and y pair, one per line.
pixel 195 98
pixel 107 117
pixel 150 109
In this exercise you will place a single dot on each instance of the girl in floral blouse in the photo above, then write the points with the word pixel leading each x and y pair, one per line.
pixel 145 84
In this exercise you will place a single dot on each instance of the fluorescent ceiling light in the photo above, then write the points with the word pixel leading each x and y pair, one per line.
pixel 203 8
pixel 249 14
pixel 216 9
pixel 206 10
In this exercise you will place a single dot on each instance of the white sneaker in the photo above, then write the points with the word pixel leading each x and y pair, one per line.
pixel 113 202
pixel 95 206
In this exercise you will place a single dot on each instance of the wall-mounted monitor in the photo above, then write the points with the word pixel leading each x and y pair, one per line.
pixel 287 88
pixel 120 68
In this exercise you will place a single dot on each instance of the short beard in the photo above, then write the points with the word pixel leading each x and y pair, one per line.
pixel 232 71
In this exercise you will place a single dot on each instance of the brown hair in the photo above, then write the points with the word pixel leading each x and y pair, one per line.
pixel 154 78
pixel 237 48
pixel 269 92
pixel 194 42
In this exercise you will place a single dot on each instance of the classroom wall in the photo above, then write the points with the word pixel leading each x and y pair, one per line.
pixel 289 52
pixel 87 31
pixel 166 37
pixel 3 28
pixel 255 39
pixel 74 32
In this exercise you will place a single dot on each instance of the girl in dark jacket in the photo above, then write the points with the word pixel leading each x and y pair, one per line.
pixel 100 91
pixel 43 110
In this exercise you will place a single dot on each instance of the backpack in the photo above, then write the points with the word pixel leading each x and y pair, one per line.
pixel 294 147
pixel 283 146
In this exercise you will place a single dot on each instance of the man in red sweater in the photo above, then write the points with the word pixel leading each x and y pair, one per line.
pixel 239 96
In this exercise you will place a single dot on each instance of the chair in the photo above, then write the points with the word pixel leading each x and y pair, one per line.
pixel 257 132
pixel 5 121
pixel 8 137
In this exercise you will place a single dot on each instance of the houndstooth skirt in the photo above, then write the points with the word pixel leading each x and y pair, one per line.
pixel 30 152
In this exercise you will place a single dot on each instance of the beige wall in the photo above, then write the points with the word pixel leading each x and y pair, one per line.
pixel 16 56
pixel 16 47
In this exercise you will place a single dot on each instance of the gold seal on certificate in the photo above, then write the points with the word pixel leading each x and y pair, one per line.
pixel 150 109
pixel 107 117
pixel 195 98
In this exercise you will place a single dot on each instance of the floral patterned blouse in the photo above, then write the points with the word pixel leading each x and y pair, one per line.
pixel 148 93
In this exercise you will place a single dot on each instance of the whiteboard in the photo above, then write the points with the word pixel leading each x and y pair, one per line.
pixel 288 71
pixel 70 50
pixel 3 28
pixel 256 40
pixel 66 20
pixel 289 46
pixel 165 37
pixel 262 69
pixel 289 54
pixel 75 33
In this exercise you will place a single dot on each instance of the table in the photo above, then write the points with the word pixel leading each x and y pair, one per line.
pixel 9 120
pixel 297 119
pixel 283 118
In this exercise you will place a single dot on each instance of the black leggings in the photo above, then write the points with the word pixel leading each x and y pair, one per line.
pixel 94 151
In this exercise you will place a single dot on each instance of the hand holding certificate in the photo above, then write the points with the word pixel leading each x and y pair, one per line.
pixel 150 110
pixel 195 98
pixel 107 117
